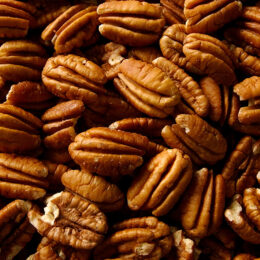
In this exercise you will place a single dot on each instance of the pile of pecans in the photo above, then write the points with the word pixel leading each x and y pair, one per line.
pixel 130 129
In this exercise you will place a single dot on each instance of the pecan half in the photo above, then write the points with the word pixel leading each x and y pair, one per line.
pixel 21 60
pixel 146 54
pixel 203 204
pixel 70 220
pixel 72 29
pixel 22 177
pixel 208 16
pixel 16 231
pixel 243 215
pixel 147 88
pixel 160 183
pixel 193 135
pixel 211 56
pixel 131 23
pixel 108 152
pixel 19 130
pixel 136 238
pixel 96 189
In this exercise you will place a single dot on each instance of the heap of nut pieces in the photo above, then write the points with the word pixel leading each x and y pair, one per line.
pixel 130 129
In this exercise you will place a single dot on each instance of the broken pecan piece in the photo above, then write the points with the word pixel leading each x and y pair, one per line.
pixel 160 183
pixel 203 204
pixel 136 238
pixel 70 220
pixel 146 54
pixel 194 136
pixel 72 29
pixel 131 23
pixel 108 152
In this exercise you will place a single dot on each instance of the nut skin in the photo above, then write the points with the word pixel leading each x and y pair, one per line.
pixel 108 152
pixel 160 183
pixel 83 221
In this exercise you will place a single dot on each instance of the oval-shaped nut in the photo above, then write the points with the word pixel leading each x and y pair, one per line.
pixel 96 189
pixel 108 152
pixel 72 29
pixel 211 56
pixel 160 183
pixel 136 238
pixel 70 221
pixel 131 23
pixel 21 60
pixel 208 16
pixel 22 177
pixel 203 204
pixel 147 88
pixel 19 130
pixel 194 136
pixel 16 231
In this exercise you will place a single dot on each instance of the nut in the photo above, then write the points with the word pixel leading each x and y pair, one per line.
pixel 130 22
pixel 160 183
pixel 244 257
pixel 95 189
pixel 146 54
pixel 70 220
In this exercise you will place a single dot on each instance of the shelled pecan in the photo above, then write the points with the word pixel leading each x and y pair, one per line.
pixel 146 54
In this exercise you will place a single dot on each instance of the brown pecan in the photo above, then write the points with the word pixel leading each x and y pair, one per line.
pixel 211 56
pixel 193 135
pixel 96 189
pixel 147 88
pixel 171 45
pixel 136 238
pixel 21 60
pixel 243 215
pixel 16 231
pixel 146 54
pixel 108 152
pixel 70 220
pixel 30 95
pixel 189 89
pixel 173 11
pixel 240 169
pixel 72 29
pixel 160 183
pixel 16 17
pixel 59 125
pixel 19 130
pixel 245 257
pixel 22 177
pixel 203 204
pixel 131 23
pixel 208 16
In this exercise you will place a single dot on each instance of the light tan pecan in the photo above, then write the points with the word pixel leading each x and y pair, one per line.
pixel 16 17
pixel 30 95
pixel 22 177
pixel 211 56
pixel 208 16
pixel 203 204
pixel 194 136
pixel 21 60
pixel 108 152
pixel 146 54
pixel 72 29
pixel 96 189
pixel 131 23
pixel 70 221
pixel 243 215
pixel 160 183
pixel 147 88
pixel 16 231
pixel 136 238
pixel 19 130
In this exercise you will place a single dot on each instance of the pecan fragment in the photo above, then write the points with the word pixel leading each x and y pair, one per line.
pixel 245 257
pixel 108 152
pixel 160 183
pixel 131 23
pixel 146 54
pixel 72 29
pixel 193 135
pixel 70 220
pixel 145 238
